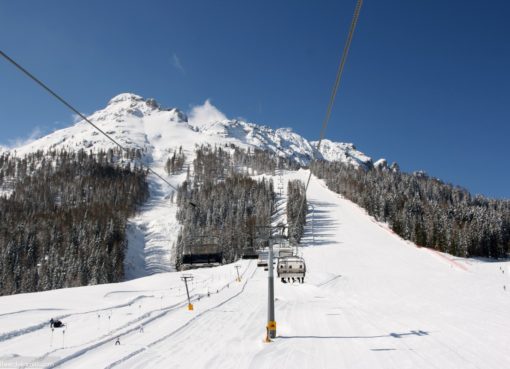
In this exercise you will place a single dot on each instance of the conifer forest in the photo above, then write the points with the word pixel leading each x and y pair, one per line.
pixel 64 223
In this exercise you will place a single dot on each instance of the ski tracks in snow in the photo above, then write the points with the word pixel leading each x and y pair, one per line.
pixel 186 335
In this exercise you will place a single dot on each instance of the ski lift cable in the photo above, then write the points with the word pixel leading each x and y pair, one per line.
pixel 73 109
pixel 334 91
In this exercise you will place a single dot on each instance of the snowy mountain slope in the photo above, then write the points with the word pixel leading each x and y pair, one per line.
pixel 152 232
pixel 142 124
pixel 128 118
pixel 343 152
pixel 370 300
pixel 283 142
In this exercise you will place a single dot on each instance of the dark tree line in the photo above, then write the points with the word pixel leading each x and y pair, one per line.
pixel 296 210
pixel 221 161
pixel 175 163
pixel 64 223
pixel 261 161
pixel 226 213
pixel 425 210
pixel 222 206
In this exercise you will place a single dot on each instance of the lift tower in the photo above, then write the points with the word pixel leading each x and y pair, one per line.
pixel 271 322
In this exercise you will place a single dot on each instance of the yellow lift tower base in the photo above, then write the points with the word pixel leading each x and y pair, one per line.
pixel 270 331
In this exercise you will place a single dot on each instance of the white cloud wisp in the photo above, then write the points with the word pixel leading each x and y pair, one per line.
pixel 18 142
pixel 177 63
pixel 204 114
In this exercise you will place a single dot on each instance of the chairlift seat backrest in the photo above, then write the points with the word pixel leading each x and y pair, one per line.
pixel 291 266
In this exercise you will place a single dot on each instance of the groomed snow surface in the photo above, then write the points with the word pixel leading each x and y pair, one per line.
pixel 370 300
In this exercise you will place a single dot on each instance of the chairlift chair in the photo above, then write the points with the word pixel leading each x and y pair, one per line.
pixel 291 268
pixel 202 256
pixel 249 253
pixel 263 257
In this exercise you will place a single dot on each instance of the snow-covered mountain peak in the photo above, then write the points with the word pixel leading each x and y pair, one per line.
pixel 132 104
pixel 123 97
pixel 381 164
pixel 129 119
pixel 343 152
pixel 140 123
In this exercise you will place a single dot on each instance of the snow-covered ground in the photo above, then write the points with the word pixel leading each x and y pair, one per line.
pixel 370 300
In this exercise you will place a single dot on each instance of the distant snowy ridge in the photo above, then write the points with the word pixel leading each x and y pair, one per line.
pixel 343 152
pixel 136 122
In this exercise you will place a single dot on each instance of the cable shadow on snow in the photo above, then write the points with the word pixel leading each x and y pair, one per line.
pixel 30 310
pixel 156 260
pixel 322 223
pixel 309 242
pixel 418 333
pixel 322 233
pixel 322 204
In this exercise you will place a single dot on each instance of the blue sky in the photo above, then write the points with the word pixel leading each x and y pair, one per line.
pixel 426 83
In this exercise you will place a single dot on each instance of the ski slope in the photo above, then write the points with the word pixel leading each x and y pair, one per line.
pixel 370 300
